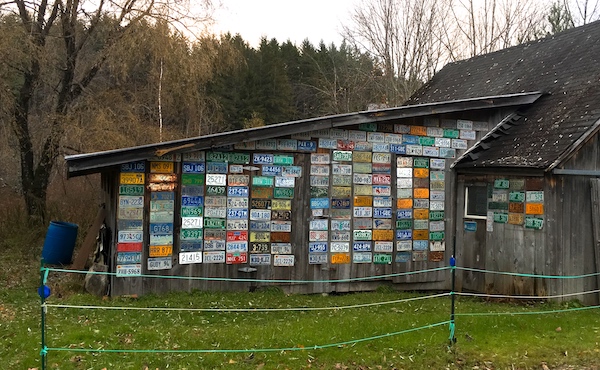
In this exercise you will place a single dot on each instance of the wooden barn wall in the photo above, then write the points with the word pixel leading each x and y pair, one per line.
pixel 572 241
pixel 301 269
pixel 508 248
pixel 563 247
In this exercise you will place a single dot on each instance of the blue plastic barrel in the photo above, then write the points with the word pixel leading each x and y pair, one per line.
pixel 59 243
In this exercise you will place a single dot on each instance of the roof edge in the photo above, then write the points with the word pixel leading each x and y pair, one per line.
pixel 83 164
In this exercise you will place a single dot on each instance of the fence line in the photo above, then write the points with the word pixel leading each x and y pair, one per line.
pixel 44 292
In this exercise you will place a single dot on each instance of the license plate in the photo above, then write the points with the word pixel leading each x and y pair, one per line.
pixel 191 234
pixel 281 205
pixel 260 259
pixel 237 224
pixel 262 158
pixel 260 226
pixel 384 246
pixel 160 250
pixel 363 211
pixel 320 158
pixel 268 170
pixel 382 212
pixel 161 228
pixel 237 214
pixel 238 191
pixel 340 203
pixel 319 170
pixel 362 234
pixel 281 248
pixel 340 258
pixel 318 235
pixel 190 257
pixel 283 260
pixel 340 225
pixel 236 247
pixel 213 257
pixel 380 179
pixel 237 236
pixel 316 203
pixel 215 212
pixel 193 167
pixel 281 226
pixel 260 215
pixel 341 169
pixel 238 180
pixel 128 201
pixel 318 224
pixel 131 178
pixel 340 247
pixel 162 205
pixel 260 247
pixel 129 270
pixel 317 258
pixel 281 215
pixel 127 258
pixel 291 171
pixel 364 246
pixel 340 236
pixel 384 259
pixel 362 179
pixel 214 223
pixel 260 236
pixel 286 193
pixel 285 182
pixel 215 190
pixel 130 236
pixel 316 247
pixel 131 189
pixel 362 257
pixel 214 245
pixel 284 159
pixel 307 146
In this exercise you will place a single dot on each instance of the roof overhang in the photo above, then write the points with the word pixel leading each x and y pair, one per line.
pixel 83 164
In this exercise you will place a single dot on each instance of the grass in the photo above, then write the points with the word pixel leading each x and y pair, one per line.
pixel 526 338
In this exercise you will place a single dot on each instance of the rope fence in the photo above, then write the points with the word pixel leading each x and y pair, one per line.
pixel 44 292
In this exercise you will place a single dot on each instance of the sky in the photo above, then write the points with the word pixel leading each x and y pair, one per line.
pixel 284 19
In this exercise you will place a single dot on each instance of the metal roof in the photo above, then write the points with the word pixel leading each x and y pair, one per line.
pixel 82 164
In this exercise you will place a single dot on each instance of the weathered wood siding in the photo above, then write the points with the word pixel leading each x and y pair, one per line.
pixel 314 278
pixel 565 246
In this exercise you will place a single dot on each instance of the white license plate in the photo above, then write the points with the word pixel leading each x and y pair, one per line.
pixel 190 257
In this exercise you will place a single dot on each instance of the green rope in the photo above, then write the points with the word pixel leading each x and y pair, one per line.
pixel 44 351
pixel 528 312
pixel 244 280
pixel 315 347
pixel 530 275
pixel 451 326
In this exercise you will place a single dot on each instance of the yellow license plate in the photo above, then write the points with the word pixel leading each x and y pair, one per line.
pixel 131 178
pixel 160 250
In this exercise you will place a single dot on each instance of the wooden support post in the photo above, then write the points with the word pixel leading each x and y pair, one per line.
pixel 89 242
pixel 595 195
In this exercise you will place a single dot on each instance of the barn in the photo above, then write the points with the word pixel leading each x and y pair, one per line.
pixel 495 161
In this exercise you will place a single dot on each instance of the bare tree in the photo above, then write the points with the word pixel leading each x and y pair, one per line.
pixel 483 26
pixel 404 37
pixel 582 11
pixel 67 42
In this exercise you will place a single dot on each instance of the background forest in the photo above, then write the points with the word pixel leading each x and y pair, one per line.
pixel 83 76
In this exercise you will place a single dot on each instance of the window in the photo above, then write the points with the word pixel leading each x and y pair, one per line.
pixel 476 201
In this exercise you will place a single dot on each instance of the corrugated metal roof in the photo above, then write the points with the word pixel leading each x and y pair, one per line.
pixel 83 164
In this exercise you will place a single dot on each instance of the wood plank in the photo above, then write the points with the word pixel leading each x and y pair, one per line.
pixel 89 242
pixel 595 198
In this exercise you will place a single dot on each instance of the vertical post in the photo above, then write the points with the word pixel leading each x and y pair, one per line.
pixel 43 292
pixel 452 338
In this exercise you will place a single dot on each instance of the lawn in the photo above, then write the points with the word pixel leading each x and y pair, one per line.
pixel 268 329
